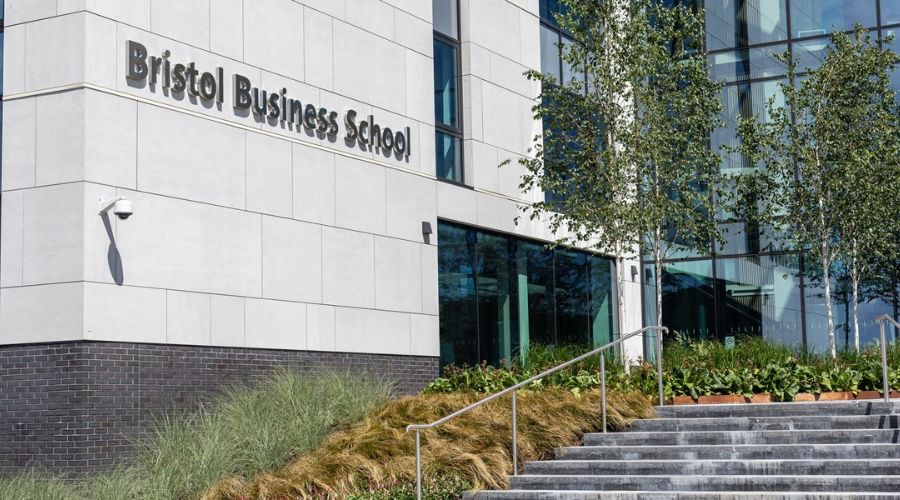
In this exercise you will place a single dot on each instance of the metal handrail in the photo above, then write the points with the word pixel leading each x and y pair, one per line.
pixel 420 427
pixel 884 367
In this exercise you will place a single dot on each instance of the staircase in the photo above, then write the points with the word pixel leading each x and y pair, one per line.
pixel 847 449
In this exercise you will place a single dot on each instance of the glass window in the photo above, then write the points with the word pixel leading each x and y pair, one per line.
pixel 810 54
pixel 742 101
pixel 890 12
pixel 499 294
pixel 446 17
pixel 819 17
pixel 688 304
pixel 748 64
pixel 448 157
pixel 550 61
pixel 760 296
pixel 445 81
pixel 548 10
pixel 738 23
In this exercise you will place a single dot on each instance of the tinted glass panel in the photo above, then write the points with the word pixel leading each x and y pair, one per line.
pixel 687 297
pixel 548 10
pixel 448 157
pixel 457 299
pixel 760 296
pixel 810 54
pixel 742 101
pixel 445 17
pixel 738 23
pixel 747 64
pixel 818 17
pixel 550 52
pixel 445 84
pixel 499 294
pixel 890 12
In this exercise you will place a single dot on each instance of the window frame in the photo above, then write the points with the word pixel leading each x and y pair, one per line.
pixel 455 133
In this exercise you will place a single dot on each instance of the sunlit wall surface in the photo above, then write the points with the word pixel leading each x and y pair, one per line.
pixel 499 294
pixel 753 287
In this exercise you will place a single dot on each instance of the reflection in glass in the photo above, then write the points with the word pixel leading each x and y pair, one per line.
pixel 810 54
pixel 456 289
pixel 746 64
pixel 890 12
pixel 548 10
pixel 448 157
pixel 744 100
pixel 445 84
pixel 738 23
pixel 760 296
pixel 445 17
pixel 550 52
pixel 688 306
pixel 819 17
pixel 499 294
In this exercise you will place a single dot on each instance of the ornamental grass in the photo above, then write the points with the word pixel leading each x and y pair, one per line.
pixel 378 455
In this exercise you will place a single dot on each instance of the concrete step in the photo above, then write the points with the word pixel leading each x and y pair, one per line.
pixel 768 423
pixel 715 467
pixel 841 451
pixel 861 407
pixel 670 495
pixel 743 437
pixel 779 483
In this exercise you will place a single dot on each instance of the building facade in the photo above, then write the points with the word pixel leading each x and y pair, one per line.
pixel 754 285
pixel 312 183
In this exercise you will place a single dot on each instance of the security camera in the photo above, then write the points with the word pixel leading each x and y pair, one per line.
pixel 119 206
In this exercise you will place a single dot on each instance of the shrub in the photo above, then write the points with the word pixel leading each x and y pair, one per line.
pixel 376 458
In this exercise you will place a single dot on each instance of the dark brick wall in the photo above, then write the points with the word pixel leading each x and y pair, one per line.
pixel 78 406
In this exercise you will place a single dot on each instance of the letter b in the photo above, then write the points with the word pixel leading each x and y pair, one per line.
pixel 136 60
pixel 242 98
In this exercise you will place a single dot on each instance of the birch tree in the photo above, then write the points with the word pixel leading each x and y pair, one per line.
pixel 624 147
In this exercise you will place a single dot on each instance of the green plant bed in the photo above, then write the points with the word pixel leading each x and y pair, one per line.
pixel 693 368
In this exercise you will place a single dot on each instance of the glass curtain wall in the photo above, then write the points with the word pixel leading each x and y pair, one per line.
pixel 447 94
pixel 753 287
pixel 500 294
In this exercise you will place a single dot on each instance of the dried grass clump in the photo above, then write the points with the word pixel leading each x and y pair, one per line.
pixel 476 445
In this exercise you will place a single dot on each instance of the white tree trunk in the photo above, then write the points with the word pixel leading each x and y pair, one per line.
pixel 657 259
pixel 854 277
pixel 826 278
pixel 620 295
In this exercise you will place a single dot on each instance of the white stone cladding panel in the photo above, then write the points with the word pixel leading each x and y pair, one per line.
pixel 373 16
pixel 124 313
pixel 398 275
pixel 493 24
pixel 318 55
pixel 53 243
pixel 274 324
pixel 227 320
pixel 371 330
pixel 430 276
pixel 110 139
pixel 456 203
pixel 292 260
pixel 348 268
pixel 102 261
pixel 60 133
pixel 419 87
pixel 336 9
pixel 424 335
pixel 133 12
pixel 425 153
pixel 484 165
pixel 55 49
pixel 497 213
pixel 180 155
pixel 320 327
pixel 13 59
pixel 184 20
pixel 24 318
pixel 530 32
pixel 503 117
pixel 226 28
pixel 269 175
pixel 178 244
pixel 473 126
pixel 19 131
pixel 410 202
pixel 12 215
pixel 510 75
pixel 359 195
pixel 418 8
pixel 313 181
pixel 369 68
pixel 20 11
pixel 188 318
pixel 273 36
pixel 413 32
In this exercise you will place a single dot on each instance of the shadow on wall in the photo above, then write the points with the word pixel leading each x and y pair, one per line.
pixel 113 258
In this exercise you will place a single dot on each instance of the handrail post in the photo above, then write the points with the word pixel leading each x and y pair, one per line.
pixel 418 468
pixel 884 366
pixel 603 388
pixel 515 451
pixel 659 370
